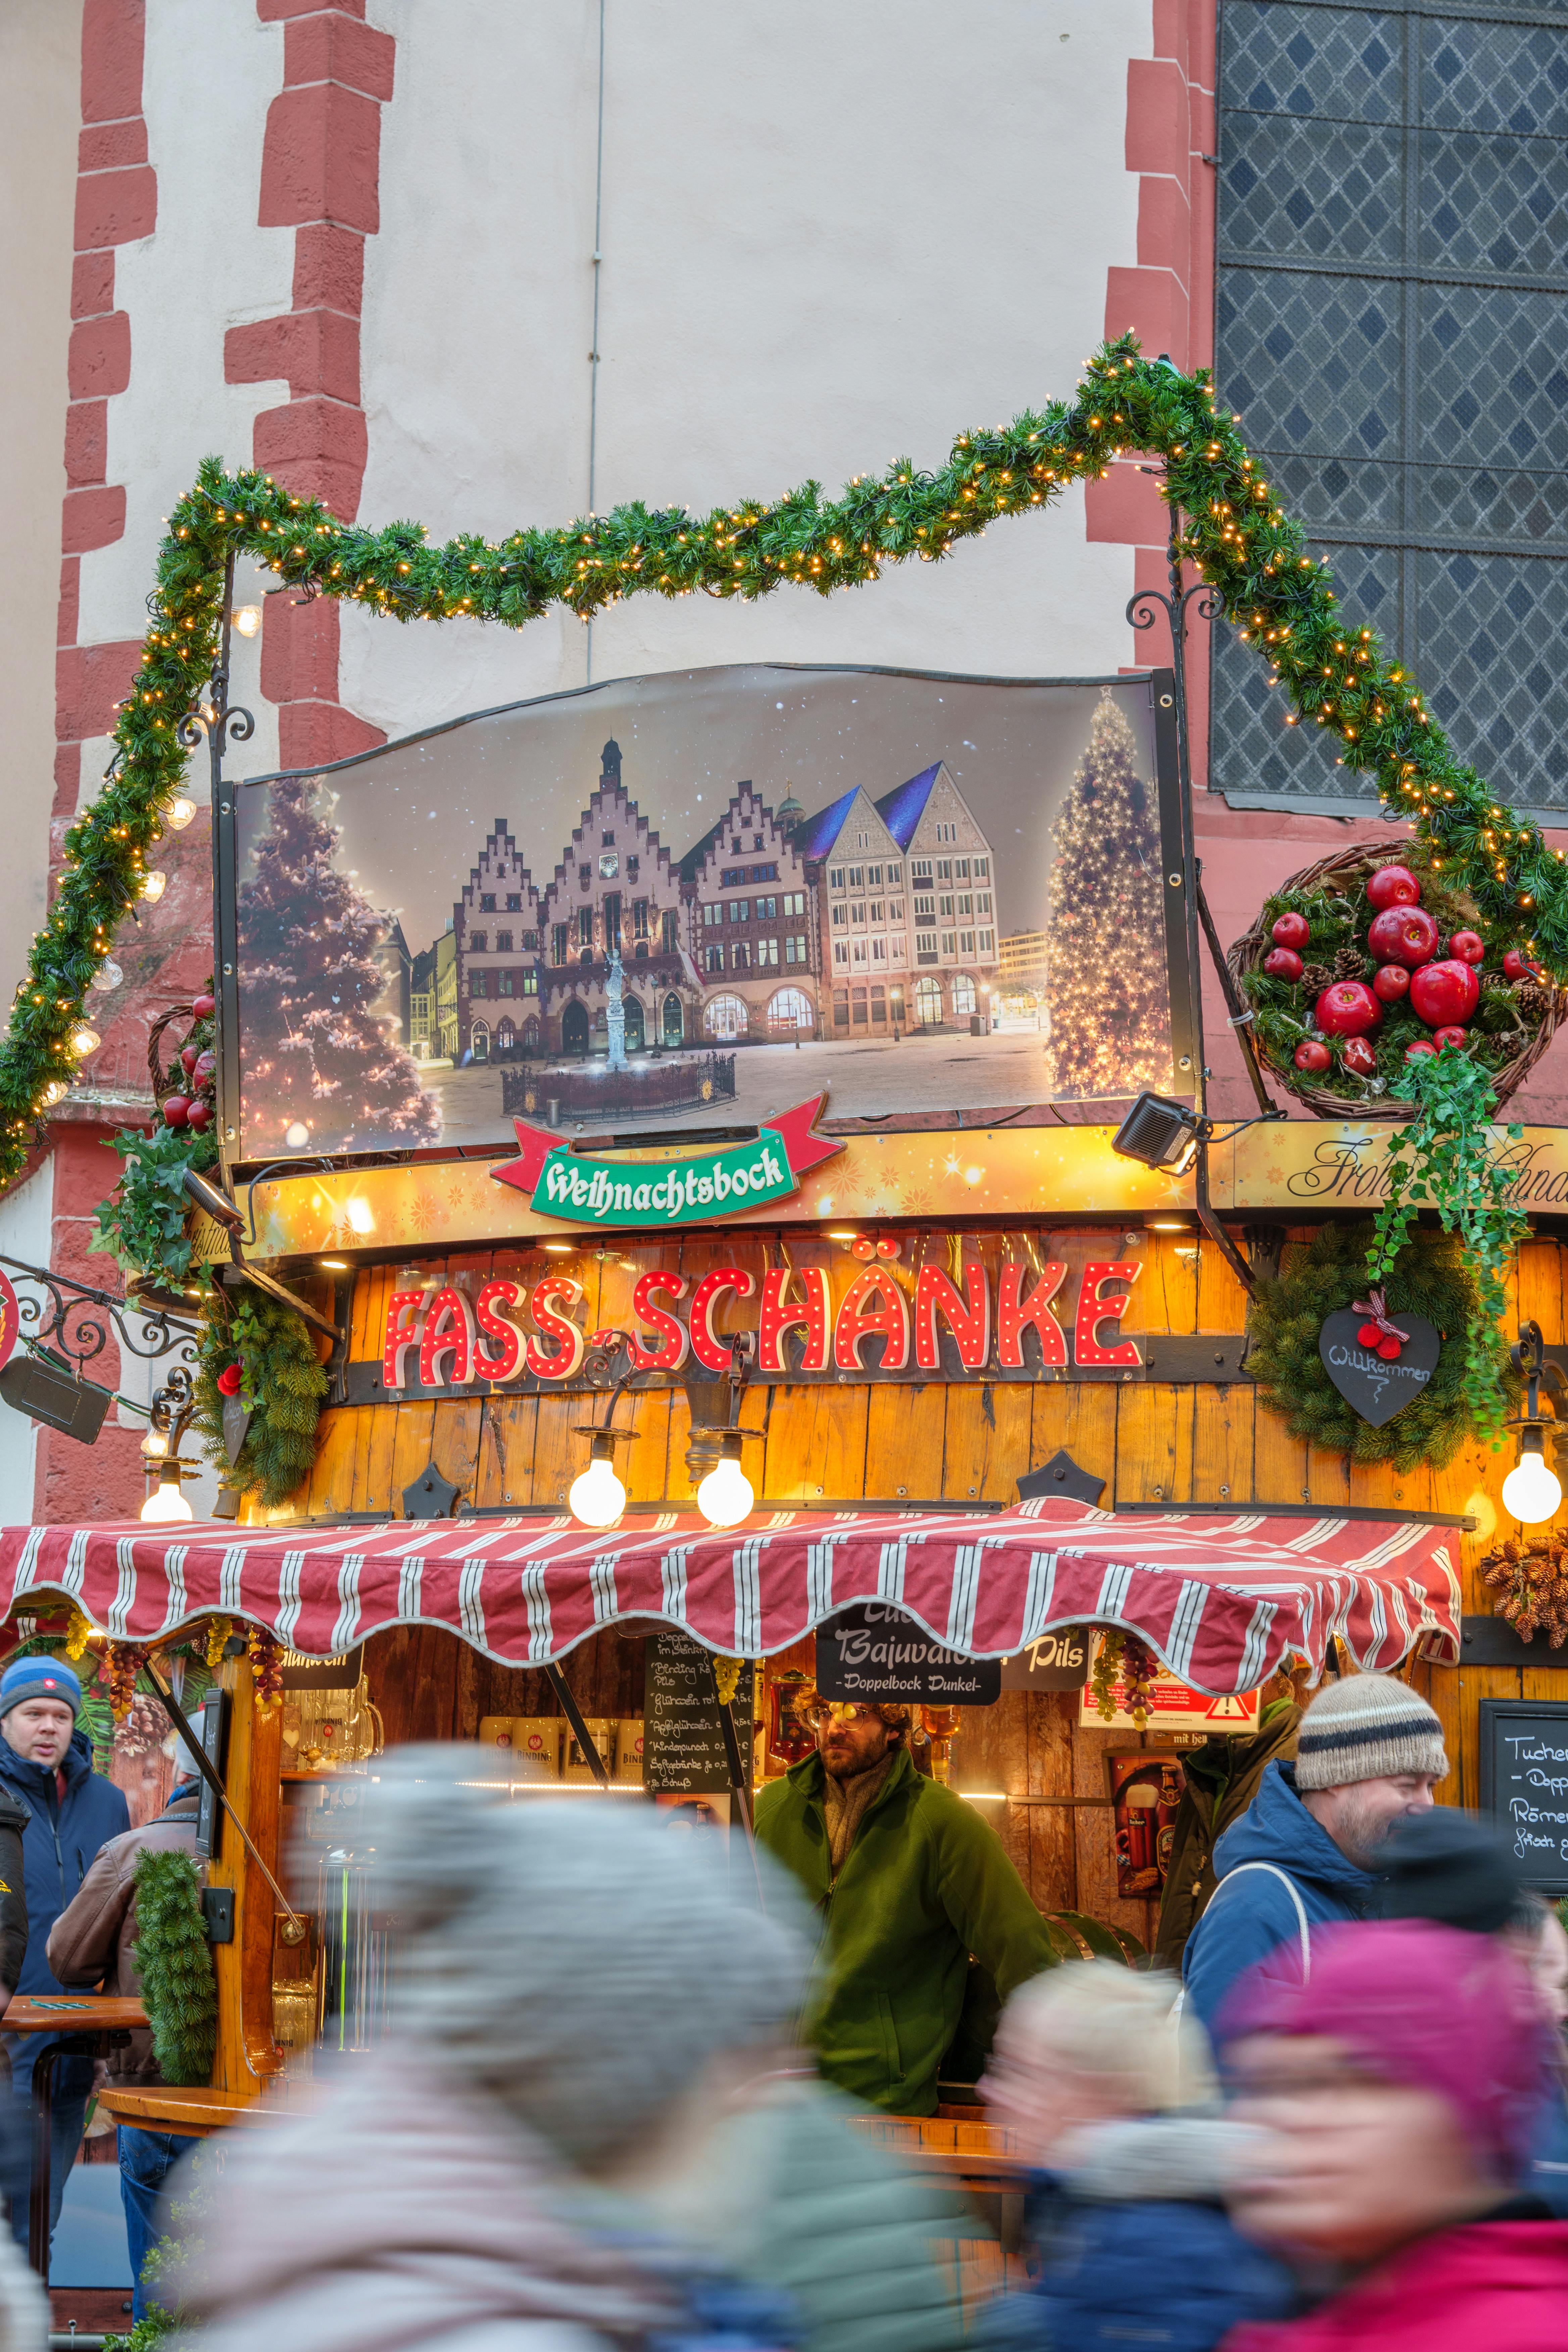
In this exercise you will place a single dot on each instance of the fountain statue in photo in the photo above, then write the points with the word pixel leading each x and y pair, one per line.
pixel 615 1014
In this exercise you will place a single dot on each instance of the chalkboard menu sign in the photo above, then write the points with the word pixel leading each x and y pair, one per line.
pixel 1524 1783
pixel 871 1652
pixel 683 1739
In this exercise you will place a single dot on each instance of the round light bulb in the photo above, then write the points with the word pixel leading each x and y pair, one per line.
pixel 246 619
pixel 154 886
pixel 108 975
pixel 54 1093
pixel 166 1502
pixel 154 1445
pixel 726 1495
pixel 297 1136
pixel 597 1496
pixel 85 1040
pixel 1531 1491
pixel 179 813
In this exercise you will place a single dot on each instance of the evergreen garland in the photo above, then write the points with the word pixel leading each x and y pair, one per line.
pixel 1237 535
pixel 1431 1276
pixel 175 1961
pixel 281 1384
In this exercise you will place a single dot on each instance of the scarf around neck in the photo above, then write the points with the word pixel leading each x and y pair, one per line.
pixel 845 1804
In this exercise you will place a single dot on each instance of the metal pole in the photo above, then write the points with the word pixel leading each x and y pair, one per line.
pixel 574 1714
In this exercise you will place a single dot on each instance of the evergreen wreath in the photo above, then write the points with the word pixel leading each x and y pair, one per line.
pixel 281 1384
pixel 1237 533
pixel 174 1961
pixel 1430 1275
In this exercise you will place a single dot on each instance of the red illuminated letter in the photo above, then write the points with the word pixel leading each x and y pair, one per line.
pixel 567 1337
pixel 1015 1314
pixel 400 1335
pixel 780 1315
pixel 497 1327
pixel 706 1344
pixel 969 1317
pixel 1094 1310
pixel 856 1322
pixel 448 1331
pixel 674 1340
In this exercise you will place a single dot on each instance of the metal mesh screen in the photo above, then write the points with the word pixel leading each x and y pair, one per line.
pixel 1392 324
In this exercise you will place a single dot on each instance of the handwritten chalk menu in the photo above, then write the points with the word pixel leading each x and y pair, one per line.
pixel 1524 1783
pixel 872 1652
pixel 683 1740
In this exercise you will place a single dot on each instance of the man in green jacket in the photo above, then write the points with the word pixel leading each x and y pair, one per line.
pixel 911 1881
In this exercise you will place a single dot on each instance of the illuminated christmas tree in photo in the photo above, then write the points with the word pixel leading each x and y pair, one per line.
pixel 322 1070
pixel 1106 984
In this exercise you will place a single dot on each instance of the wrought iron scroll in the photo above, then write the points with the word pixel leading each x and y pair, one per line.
pixel 74 1319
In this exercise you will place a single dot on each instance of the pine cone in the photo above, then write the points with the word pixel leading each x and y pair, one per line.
pixel 1534 1003
pixel 1316 978
pixel 1350 964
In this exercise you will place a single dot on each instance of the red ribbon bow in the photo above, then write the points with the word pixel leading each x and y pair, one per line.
pixel 1376 1307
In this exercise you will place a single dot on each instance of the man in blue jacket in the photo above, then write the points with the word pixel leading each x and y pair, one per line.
pixel 72 1810
pixel 1309 1850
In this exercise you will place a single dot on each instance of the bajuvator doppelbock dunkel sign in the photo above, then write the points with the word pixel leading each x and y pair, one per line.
pixel 688 1191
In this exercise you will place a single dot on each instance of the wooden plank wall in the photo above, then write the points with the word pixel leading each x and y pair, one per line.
pixel 966 1442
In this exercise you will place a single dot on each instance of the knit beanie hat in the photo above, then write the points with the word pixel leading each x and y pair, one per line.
pixel 1367 1727
pixel 39 1677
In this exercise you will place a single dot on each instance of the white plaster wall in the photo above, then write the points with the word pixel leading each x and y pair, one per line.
pixel 830 237
pixel 26 1232
pixel 208 77
pixel 40 105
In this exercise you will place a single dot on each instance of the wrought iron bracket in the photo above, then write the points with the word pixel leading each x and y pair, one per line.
pixel 74 1318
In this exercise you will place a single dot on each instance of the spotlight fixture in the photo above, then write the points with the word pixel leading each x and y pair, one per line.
pixel 1161 1134
pixel 214 1199
pixel 1532 1489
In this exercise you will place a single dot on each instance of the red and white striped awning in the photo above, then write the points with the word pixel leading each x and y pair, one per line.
pixel 1220 1599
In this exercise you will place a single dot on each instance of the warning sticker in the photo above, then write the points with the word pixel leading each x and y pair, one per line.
pixel 1174 1707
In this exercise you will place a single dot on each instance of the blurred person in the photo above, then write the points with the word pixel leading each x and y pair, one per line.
pixel 1369 1753
pixel 1110 2094
pixel 576 1994
pixel 1398 2085
pixel 910 1882
pixel 94 1943
pixel 46 1765
pixel 1461 1872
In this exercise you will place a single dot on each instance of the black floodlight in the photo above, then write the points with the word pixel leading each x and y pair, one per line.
pixel 47 1392
pixel 215 1201
pixel 1160 1133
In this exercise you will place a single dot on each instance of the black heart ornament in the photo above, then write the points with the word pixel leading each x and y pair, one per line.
pixel 1370 1385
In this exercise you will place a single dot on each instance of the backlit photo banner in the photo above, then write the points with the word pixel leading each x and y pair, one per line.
pixel 704 898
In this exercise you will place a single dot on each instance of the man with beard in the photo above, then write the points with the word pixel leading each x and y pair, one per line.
pixel 910 1883
pixel 1310 1847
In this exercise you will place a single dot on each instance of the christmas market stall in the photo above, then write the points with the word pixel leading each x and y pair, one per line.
pixel 697 1200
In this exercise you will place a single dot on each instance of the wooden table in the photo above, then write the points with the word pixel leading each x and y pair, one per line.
pixel 89 2025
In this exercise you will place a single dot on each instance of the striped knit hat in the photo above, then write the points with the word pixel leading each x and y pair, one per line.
pixel 1367 1727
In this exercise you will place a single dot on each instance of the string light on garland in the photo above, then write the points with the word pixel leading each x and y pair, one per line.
pixel 1237 534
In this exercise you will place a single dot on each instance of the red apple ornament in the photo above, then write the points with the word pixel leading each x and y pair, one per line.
pixel 1420 1046
pixel 1468 946
pixel 1402 935
pixel 1519 966
pixel 1290 932
pixel 1347 1008
pixel 204 1008
pixel 188 1060
pixel 1444 993
pixel 1359 1057
pixel 1313 1056
pixel 1392 886
pixel 198 1118
pixel 1283 963
pixel 177 1109
pixel 1451 1035
pixel 1391 982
